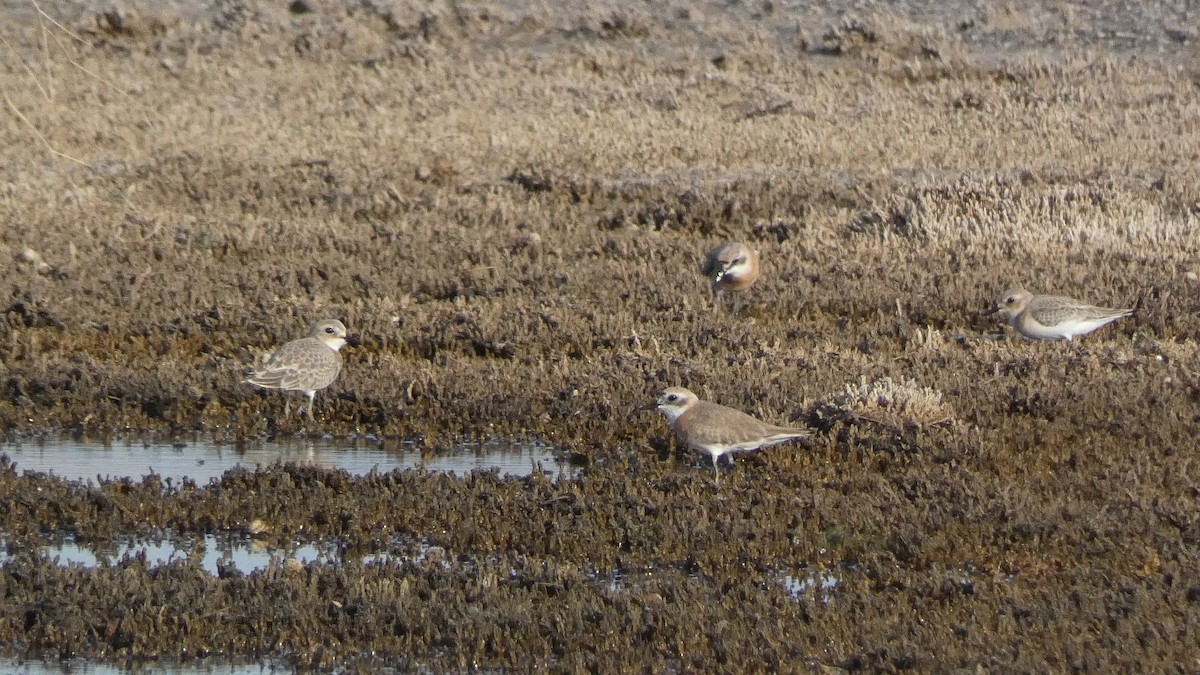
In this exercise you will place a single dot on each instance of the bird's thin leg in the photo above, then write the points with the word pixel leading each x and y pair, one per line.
pixel 716 299
pixel 311 395
pixel 716 471
pixel 1068 346
pixel 287 406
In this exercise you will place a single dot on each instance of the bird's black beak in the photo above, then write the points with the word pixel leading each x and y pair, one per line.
pixel 991 310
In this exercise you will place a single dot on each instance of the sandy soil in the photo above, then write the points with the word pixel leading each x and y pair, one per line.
pixel 510 204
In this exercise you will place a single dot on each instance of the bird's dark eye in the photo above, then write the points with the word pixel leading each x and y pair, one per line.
pixel 738 261
pixel 330 330
pixel 1010 300
pixel 672 397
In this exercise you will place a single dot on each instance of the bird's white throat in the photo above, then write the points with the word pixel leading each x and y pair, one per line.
pixel 672 413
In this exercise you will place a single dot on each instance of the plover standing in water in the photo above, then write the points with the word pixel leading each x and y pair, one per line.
pixel 308 364
pixel 717 429
pixel 732 266
pixel 1052 317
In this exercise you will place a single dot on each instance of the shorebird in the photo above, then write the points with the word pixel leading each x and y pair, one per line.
pixel 717 429
pixel 732 266
pixel 308 364
pixel 1052 317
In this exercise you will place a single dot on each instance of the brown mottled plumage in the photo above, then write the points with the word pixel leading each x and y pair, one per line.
pixel 1052 317
pixel 717 429
pixel 308 364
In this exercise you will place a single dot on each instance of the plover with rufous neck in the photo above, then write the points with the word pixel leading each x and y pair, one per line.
pixel 733 267
pixel 717 429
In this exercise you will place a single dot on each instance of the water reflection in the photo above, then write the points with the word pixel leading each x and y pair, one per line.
pixel 212 553
pixel 202 461
pixel 821 584
pixel 85 667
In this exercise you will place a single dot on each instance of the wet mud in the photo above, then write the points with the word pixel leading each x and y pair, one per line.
pixel 510 206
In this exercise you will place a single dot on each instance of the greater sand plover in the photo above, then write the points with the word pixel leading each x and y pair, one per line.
pixel 717 429
pixel 1052 317
pixel 732 266
pixel 308 364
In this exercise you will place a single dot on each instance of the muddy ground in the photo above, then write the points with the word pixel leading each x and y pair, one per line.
pixel 510 203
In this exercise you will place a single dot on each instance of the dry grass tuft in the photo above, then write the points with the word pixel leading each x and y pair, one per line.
pixel 898 406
